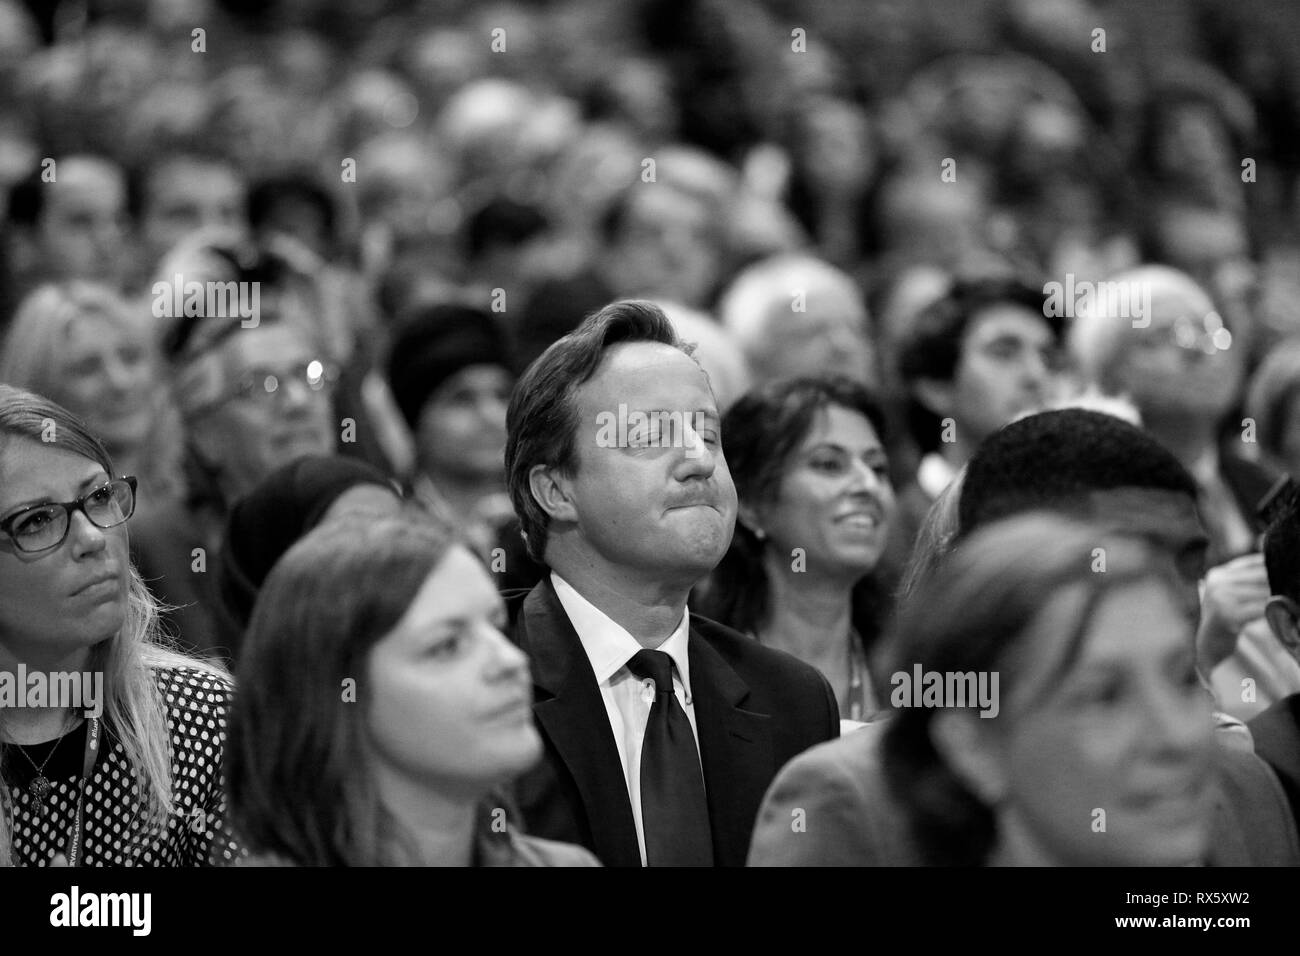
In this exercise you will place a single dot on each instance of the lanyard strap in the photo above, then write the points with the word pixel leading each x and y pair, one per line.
pixel 87 768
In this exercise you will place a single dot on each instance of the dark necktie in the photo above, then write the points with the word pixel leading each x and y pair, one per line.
pixel 674 811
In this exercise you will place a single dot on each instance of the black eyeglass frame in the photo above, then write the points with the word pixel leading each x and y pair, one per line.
pixel 68 508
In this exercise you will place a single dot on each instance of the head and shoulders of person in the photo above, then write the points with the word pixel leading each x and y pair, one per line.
pixel 368 632
pixel 615 467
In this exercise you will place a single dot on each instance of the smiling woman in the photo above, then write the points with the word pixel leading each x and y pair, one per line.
pixel 71 602
pixel 811 471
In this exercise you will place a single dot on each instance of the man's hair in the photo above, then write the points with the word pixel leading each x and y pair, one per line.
pixel 298 186
pixel 1048 459
pixel 543 416
pixel 1282 549
pixel 932 348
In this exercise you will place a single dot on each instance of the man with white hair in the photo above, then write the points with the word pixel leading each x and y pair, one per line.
pixel 797 315
pixel 1164 347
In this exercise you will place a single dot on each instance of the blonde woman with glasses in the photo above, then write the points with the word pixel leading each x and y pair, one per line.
pixel 119 762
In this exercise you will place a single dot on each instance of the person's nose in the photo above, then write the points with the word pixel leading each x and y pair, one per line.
pixel 506 659
pixel 1177 722
pixel 864 480
pixel 697 458
pixel 296 396
pixel 85 536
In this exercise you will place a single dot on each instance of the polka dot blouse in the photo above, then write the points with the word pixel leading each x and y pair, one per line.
pixel 196 834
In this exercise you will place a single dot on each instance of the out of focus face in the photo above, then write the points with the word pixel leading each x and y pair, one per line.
pixel 106 375
pixel 1008 367
pixel 250 436
pixel 451 696
pixel 64 600
pixel 462 427
pixel 83 225
pixel 662 513
pixel 667 247
pixel 829 337
pixel 188 194
pixel 1127 731
pixel 1182 362
pixel 835 500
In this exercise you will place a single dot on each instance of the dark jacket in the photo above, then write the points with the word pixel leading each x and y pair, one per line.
pixel 755 709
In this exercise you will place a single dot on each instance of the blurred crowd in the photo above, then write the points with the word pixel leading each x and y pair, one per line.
pixel 855 212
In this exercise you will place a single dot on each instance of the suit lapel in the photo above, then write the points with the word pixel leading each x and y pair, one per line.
pixel 735 749
pixel 570 710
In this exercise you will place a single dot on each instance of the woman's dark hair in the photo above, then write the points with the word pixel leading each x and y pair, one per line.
pixel 297 753
pixel 973 616
pixel 760 433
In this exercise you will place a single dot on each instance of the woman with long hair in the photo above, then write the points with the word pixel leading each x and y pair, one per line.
pixel 381 710
pixel 811 474
pixel 118 761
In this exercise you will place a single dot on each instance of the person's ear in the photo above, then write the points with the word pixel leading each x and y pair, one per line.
pixel 553 493
pixel 1283 616
pixel 968 745
pixel 934 394
pixel 752 518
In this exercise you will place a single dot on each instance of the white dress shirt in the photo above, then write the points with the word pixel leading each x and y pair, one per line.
pixel 627 704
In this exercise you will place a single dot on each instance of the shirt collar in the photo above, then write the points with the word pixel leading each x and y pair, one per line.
pixel 1206 467
pixel 608 646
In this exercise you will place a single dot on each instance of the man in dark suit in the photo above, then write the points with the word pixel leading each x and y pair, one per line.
pixel 662 729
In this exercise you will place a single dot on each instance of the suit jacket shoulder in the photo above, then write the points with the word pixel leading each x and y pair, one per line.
pixel 755 709
pixel 830 807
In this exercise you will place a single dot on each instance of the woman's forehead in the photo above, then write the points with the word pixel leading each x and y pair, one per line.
pixel 30 468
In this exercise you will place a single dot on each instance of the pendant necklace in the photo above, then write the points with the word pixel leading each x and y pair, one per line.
pixel 41 785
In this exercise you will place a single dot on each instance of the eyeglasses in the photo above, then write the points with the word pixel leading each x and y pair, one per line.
pixel 42 527
pixel 1205 334
pixel 266 385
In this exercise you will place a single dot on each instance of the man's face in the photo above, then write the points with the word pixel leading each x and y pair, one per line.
pixel 1168 519
pixel 82 231
pixel 185 195
pixel 1007 368
pixel 249 436
pixel 662 512
pixel 667 247
pixel 829 337
pixel 1177 364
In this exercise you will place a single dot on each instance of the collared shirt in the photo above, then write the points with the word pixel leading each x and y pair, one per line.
pixel 627 704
